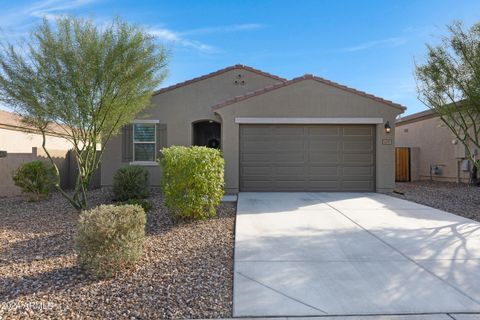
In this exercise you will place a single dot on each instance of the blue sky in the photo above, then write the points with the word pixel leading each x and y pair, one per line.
pixel 368 45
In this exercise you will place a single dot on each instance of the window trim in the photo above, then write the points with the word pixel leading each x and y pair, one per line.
pixel 140 162
pixel 145 121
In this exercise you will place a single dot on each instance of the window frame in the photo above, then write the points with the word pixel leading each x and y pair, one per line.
pixel 140 162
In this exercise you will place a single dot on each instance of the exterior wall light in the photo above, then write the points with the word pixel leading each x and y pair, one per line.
pixel 387 127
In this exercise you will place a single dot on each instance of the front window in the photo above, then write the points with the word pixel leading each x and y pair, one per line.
pixel 144 141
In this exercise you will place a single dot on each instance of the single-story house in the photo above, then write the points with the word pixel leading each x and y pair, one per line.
pixel 435 153
pixel 304 134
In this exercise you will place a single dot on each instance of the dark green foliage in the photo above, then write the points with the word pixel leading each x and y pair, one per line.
pixel 110 239
pixel 192 181
pixel 145 204
pixel 36 179
pixel 131 182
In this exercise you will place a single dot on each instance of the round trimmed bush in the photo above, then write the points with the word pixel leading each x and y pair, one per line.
pixel 36 179
pixel 192 181
pixel 131 182
pixel 110 238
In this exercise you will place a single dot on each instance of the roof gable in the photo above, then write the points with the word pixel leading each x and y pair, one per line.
pixel 415 117
pixel 299 79
pixel 216 73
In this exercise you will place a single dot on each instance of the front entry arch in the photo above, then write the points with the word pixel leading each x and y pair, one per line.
pixel 207 133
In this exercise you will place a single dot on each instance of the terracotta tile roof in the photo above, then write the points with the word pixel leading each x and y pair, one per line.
pixel 302 78
pixel 215 73
pixel 11 121
pixel 419 116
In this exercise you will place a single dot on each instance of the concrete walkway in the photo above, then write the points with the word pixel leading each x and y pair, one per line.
pixel 440 316
pixel 320 254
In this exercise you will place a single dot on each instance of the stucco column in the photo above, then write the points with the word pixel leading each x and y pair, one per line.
pixel 385 157
pixel 230 148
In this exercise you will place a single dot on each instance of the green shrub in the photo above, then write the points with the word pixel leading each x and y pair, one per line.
pixel 36 179
pixel 192 181
pixel 146 205
pixel 131 182
pixel 110 238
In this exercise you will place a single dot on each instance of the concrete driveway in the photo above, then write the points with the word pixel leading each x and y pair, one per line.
pixel 316 254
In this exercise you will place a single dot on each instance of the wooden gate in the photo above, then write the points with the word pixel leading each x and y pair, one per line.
pixel 402 164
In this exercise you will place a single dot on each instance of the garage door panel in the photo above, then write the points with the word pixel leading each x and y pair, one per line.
pixel 286 185
pixel 291 146
pixel 358 171
pixel 323 157
pixel 323 131
pixel 307 157
pixel 358 146
pixel 332 185
pixel 286 130
pixel 324 171
pixel 255 157
pixel 358 131
pixel 257 170
pixel 364 178
pixel 253 185
pixel 280 157
pixel 292 170
pixel 324 145
pixel 366 158
pixel 255 131
pixel 254 145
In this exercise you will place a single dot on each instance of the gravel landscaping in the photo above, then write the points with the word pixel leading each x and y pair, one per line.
pixel 186 270
pixel 461 199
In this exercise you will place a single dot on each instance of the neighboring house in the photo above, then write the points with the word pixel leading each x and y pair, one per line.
pixel 24 144
pixel 304 134
pixel 435 152
pixel 16 137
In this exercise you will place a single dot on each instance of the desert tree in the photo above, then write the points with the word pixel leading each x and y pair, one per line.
pixel 85 79
pixel 449 84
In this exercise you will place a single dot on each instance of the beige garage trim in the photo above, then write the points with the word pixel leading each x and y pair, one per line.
pixel 307 157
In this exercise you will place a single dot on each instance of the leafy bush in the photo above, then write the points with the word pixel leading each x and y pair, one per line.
pixel 131 182
pixel 147 206
pixel 110 238
pixel 192 181
pixel 36 179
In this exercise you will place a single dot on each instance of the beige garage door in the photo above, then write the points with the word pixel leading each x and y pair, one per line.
pixel 307 157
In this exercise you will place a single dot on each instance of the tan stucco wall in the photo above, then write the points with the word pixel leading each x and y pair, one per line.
pixel 20 149
pixel 309 98
pixel 18 142
pixel 434 142
pixel 180 107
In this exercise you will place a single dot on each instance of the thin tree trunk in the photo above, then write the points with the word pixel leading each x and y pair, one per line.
pixel 57 183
